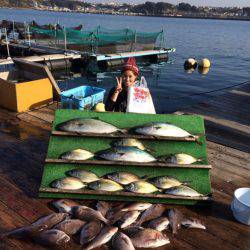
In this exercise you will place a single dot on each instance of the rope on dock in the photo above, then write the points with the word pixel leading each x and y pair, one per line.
pixel 208 92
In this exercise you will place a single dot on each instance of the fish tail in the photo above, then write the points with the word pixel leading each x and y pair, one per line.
pixel 123 131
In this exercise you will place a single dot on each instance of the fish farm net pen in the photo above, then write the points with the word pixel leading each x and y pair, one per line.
pixel 208 92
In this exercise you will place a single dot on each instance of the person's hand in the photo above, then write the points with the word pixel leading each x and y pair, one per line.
pixel 118 88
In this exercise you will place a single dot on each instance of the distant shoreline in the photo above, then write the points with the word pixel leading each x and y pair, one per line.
pixel 247 18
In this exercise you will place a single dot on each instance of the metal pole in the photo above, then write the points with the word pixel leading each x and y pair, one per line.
pixel 7 44
pixel 28 29
pixel 65 41
pixel 135 41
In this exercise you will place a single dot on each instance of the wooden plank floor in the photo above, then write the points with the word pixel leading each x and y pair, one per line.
pixel 24 141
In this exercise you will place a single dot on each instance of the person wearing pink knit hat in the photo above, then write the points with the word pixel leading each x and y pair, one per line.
pixel 117 98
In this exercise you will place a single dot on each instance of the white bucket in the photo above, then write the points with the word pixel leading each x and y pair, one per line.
pixel 241 205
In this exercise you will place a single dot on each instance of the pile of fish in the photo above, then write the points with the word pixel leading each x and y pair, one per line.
pixel 96 126
pixel 136 225
pixel 124 181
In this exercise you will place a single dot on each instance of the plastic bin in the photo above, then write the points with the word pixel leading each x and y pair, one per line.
pixel 84 97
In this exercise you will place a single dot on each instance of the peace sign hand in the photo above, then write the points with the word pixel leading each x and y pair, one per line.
pixel 119 84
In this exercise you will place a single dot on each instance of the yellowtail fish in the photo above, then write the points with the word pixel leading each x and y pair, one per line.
pixel 159 224
pixel 193 223
pixel 148 238
pixel 126 154
pixel 77 154
pixel 175 218
pixel 87 125
pixel 127 219
pixel 130 142
pixel 182 191
pixel 122 242
pixel 141 187
pixel 164 182
pixel 103 237
pixel 105 185
pixel 122 177
pixel 162 129
pixel 52 237
pixel 140 206
pixel 88 214
pixel 182 158
pixel 69 183
pixel 70 226
pixel 85 176
pixel 89 231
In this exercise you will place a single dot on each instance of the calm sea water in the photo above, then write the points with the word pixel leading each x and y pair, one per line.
pixel 225 43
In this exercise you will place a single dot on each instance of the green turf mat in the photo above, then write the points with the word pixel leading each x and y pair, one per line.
pixel 200 179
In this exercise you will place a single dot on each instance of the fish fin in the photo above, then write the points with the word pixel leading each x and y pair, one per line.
pixel 185 183
pixel 121 154
pixel 123 131
pixel 157 127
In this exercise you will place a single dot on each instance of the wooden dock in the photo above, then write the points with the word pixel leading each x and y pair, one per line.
pixel 23 148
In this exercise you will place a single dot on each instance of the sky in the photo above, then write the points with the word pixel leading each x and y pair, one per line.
pixel 217 3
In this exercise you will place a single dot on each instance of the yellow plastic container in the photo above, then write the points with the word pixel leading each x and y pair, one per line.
pixel 24 96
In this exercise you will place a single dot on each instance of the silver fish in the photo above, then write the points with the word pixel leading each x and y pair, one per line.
pixel 122 177
pixel 148 238
pixel 140 206
pixel 126 154
pixel 52 237
pixel 122 242
pixel 127 219
pixel 69 183
pixel 89 231
pixel 65 205
pixel 103 207
pixel 159 224
pixel 36 227
pixel 85 176
pixel 71 226
pixel 175 218
pixel 182 158
pixel 162 129
pixel 182 191
pixel 103 237
pixel 77 154
pixel 141 187
pixel 164 182
pixel 88 214
pixel 87 125
pixel 151 213
pixel 193 223
pixel 130 142
pixel 105 185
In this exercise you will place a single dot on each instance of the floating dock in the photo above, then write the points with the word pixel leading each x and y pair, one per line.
pixel 24 143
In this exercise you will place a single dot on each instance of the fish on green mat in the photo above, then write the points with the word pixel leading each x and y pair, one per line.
pixel 85 176
pixel 162 129
pixel 77 154
pixel 88 125
pixel 141 187
pixel 105 185
pixel 164 182
pixel 126 154
pixel 122 177
pixel 180 158
pixel 130 142
pixel 183 191
pixel 69 183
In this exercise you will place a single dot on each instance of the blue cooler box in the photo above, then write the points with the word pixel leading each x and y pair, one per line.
pixel 84 97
